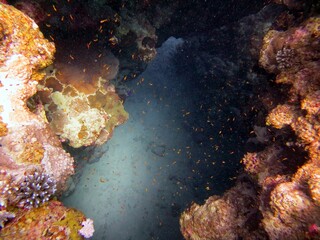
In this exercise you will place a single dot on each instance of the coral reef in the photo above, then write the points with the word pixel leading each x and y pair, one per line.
pixel 139 29
pixel 224 217
pixel 81 104
pixel 288 50
pixel 35 189
pixel 27 140
pixel 62 223
pixel 87 229
pixel 285 174
pixel 33 164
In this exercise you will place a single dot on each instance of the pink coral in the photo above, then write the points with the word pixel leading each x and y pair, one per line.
pixel 87 229
pixel 264 164
pixel 28 142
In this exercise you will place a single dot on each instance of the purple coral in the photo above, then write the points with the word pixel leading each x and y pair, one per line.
pixel 36 188
pixel 4 216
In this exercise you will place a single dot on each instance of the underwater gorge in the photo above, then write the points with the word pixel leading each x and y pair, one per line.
pixel 196 120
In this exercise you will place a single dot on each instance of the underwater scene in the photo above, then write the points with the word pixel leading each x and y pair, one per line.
pixel 160 120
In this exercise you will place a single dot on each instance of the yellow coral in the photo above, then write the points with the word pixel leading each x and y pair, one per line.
pixel 31 154
pixel 281 116
pixel 3 128
pixel 28 40
pixel 50 221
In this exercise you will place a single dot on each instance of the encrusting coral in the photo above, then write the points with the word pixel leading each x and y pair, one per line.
pixel 82 106
pixel 286 174
pixel 50 221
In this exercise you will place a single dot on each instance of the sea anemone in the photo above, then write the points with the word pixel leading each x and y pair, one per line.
pixel 35 188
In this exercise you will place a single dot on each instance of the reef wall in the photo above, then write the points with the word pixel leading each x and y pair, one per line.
pixel 34 166
pixel 277 196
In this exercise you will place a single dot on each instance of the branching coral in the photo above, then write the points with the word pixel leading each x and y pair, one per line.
pixel 87 229
pixel 36 188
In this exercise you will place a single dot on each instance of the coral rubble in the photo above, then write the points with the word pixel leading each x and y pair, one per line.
pixel 284 201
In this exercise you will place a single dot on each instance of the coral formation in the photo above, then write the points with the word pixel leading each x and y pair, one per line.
pixel 285 58
pixel 144 36
pixel 33 164
pixel 286 173
pixel 87 229
pixel 32 9
pixel 50 221
pixel 35 189
pixel 291 49
pixel 81 104
pixel 224 217
pixel 27 140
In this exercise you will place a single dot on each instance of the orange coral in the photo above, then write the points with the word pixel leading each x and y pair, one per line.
pixel 281 116
pixel 296 203
pixel 3 128
pixel 222 217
